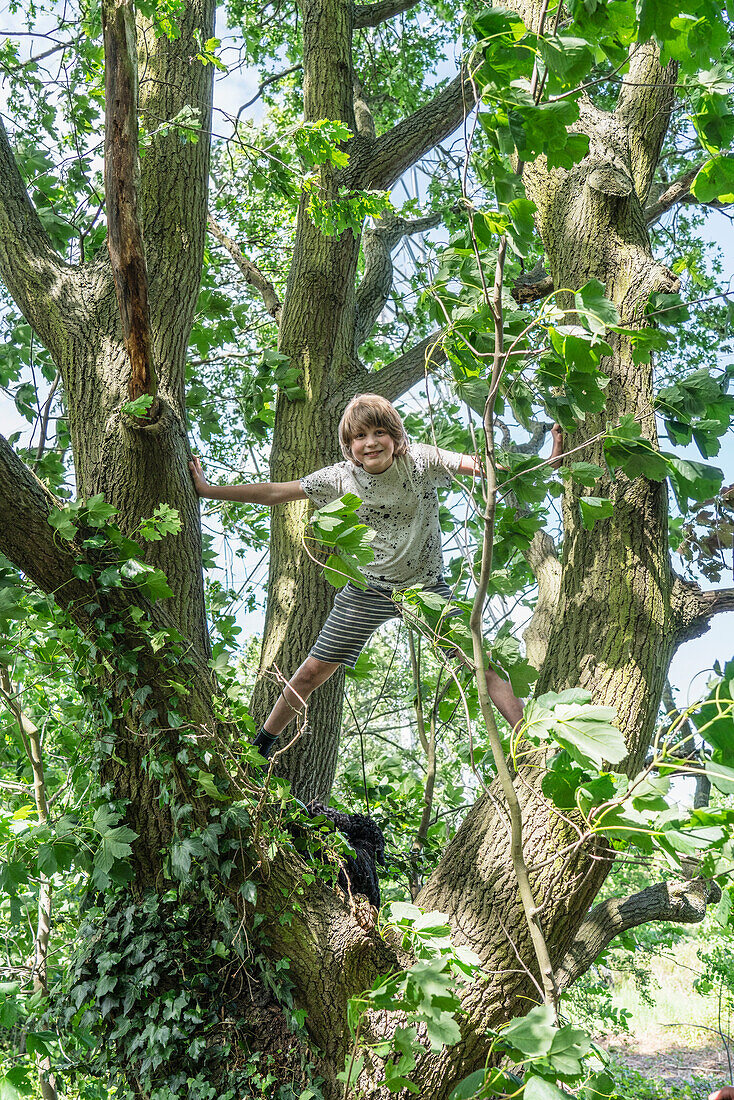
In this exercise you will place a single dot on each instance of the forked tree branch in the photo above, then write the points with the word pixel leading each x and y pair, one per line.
pixel 378 164
pixel 378 245
pixel 678 191
pixel 695 609
pixel 680 902
pixel 398 376
pixel 253 276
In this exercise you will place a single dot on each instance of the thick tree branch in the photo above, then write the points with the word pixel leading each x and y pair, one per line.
pixel 681 902
pixel 542 557
pixel 252 275
pixel 678 191
pixel 174 182
pixel 38 280
pixel 122 179
pixel 370 15
pixel 378 245
pixel 643 108
pixel 378 164
pixel 398 376
pixel 533 285
pixel 363 117
pixel 695 609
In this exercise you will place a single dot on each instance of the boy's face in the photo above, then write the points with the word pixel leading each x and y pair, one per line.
pixel 373 449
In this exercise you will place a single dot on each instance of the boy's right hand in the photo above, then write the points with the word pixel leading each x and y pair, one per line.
pixel 197 474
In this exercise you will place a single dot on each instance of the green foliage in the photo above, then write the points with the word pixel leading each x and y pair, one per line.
pixel 581 728
pixel 336 527
pixel 428 991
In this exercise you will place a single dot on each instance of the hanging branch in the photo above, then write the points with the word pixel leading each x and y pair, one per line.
pixel 122 182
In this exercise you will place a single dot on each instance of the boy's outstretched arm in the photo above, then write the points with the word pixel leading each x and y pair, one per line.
pixel 264 492
pixel 470 464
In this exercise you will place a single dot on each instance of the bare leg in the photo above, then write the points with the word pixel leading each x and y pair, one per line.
pixel 504 698
pixel 311 674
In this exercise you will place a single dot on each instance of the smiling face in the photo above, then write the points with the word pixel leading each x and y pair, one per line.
pixel 373 449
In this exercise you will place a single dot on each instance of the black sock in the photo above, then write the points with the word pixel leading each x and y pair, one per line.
pixel 265 742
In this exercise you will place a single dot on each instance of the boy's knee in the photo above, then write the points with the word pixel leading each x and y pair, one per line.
pixel 313 673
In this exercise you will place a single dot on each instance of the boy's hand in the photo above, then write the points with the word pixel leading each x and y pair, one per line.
pixel 197 474
pixel 556 456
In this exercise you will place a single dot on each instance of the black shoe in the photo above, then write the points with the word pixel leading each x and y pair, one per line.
pixel 265 743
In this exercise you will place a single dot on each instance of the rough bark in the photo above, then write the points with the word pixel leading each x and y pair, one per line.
pixel 122 178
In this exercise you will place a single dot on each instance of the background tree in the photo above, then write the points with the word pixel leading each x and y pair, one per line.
pixel 186 858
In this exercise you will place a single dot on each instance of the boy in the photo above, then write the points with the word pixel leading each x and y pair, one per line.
pixel 397 482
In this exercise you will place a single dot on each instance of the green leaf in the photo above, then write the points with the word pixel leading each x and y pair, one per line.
pixel 693 481
pixel 567 59
pixel 715 181
pixel 577 725
pixel 531 1035
pixel 96 512
pixel 538 1088
pixel 594 509
pixel 156 585
pixel 442 1031
pixel 721 777
pixel 183 851
pixel 139 407
pixel 164 521
pixel 340 569
pixel 60 520
pixel 586 473
pixel 597 313
pixel 667 309
pixel 208 783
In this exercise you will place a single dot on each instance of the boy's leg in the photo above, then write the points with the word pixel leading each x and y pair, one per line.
pixel 504 698
pixel 310 675
pixel 500 692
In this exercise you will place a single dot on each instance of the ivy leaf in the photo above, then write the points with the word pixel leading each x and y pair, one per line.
pixel 207 781
pixel 60 519
pixel 183 850
pixel 594 509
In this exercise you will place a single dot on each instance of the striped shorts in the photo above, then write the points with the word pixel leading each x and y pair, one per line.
pixel 355 617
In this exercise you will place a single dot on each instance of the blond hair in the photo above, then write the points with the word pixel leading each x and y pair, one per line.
pixel 369 410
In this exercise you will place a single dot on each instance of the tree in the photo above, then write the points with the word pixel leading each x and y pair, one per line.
pixel 194 862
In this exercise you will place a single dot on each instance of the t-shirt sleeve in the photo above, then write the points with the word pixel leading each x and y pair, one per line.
pixel 438 465
pixel 323 486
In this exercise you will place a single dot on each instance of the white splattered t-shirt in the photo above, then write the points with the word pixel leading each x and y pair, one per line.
pixel 401 505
